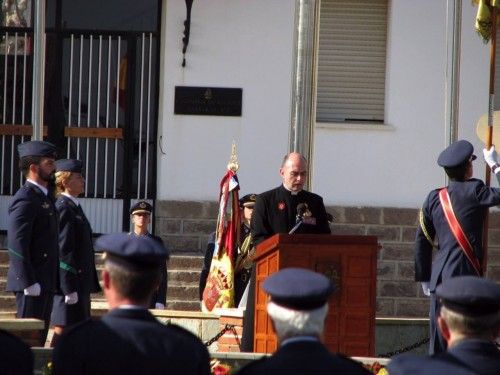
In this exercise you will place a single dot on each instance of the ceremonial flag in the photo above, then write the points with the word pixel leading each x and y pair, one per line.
pixel 219 289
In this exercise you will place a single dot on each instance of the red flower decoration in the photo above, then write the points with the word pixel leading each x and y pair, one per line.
pixel 221 370
pixel 281 206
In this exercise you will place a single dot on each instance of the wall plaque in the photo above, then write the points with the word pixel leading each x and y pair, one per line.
pixel 208 101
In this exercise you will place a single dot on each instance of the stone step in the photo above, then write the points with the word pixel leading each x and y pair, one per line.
pixel 184 276
pixel 178 305
pixel 183 281
pixel 8 302
pixel 182 292
pixel 183 305
pixel 185 261
pixel 4 267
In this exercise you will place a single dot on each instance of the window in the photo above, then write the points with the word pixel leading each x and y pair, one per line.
pixel 351 61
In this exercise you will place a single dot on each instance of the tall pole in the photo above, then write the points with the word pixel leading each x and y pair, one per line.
pixel 453 37
pixel 38 71
pixel 489 138
pixel 303 89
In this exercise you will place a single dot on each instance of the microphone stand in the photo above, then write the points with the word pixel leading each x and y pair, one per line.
pixel 299 223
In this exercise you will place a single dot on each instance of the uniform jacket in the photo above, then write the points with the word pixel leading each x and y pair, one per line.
pixel 129 341
pixel 469 200
pixel 303 357
pixel 275 211
pixel 160 295
pixel 16 357
pixel 467 357
pixel 77 270
pixel 32 240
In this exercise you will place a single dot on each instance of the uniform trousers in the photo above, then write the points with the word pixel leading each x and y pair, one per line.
pixel 39 307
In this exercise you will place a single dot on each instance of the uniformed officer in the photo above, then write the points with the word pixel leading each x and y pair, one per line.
pixel 129 339
pixel 141 217
pixel 459 253
pixel 469 321
pixel 279 210
pixel 242 262
pixel 297 306
pixel 32 235
pixel 77 271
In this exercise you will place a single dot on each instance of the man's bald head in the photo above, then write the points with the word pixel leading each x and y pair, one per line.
pixel 293 171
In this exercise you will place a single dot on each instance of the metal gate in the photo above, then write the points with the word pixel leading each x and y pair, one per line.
pixel 101 95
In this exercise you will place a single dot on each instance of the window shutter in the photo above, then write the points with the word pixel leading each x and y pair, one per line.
pixel 351 60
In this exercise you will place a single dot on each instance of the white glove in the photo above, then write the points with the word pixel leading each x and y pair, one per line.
pixel 490 156
pixel 71 299
pixel 33 290
pixel 159 306
pixel 426 289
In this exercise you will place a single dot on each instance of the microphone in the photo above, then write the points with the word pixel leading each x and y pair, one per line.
pixel 301 210
pixel 299 218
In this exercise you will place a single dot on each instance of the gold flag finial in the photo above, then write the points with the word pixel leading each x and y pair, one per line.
pixel 233 159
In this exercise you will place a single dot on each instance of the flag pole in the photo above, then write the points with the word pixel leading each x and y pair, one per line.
pixel 489 137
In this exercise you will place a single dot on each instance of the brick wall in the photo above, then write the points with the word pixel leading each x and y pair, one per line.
pixel 185 226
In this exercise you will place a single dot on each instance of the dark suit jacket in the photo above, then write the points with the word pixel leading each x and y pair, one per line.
pixel 77 269
pixel 275 211
pixel 129 341
pixel 16 357
pixel 303 357
pixel 32 240
pixel 469 200
pixel 468 357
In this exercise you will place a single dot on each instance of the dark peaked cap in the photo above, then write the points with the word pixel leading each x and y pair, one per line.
pixel 470 295
pixel 132 250
pixel 298 288
pixel 248 200
pixel 36 148
pixel 69 165
pixel 456 154
pixel 141 206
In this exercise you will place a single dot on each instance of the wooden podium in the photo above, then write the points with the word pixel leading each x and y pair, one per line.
pixel 350 262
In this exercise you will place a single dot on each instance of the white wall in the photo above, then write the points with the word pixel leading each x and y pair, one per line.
pixel 398 167
pixel 233 43
pixel 249 44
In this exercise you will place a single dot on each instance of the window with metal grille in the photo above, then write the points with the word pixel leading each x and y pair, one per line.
pixel 351 61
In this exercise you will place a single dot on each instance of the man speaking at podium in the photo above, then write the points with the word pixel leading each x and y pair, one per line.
pixel 289 207
pixel 285 209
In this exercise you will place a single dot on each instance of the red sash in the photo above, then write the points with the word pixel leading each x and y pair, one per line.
pixel 457 230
